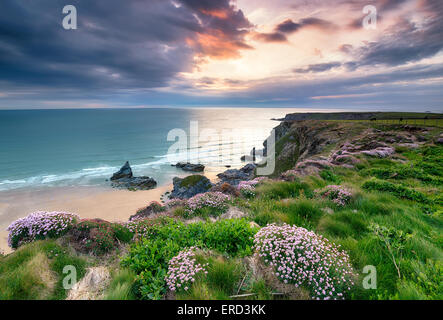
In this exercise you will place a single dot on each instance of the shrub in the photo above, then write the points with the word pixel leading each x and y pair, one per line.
pixel 305 259
pixel 96 237
pixel 149 257
pixel 122 233
pixel 338 194
pixel 39 225
pixel 215 204
pixel 182 270
pixel 396 189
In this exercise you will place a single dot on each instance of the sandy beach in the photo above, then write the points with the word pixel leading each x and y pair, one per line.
pixel 88 202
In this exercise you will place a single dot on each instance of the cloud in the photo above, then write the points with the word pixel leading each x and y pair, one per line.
pixel 118 45
pixel 320 67
pixel 289 26
pixel 270 37
pixel 222 30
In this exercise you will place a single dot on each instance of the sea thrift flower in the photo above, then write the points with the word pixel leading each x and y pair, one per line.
pixel 39 225
pixel 247 188
pixel 338 194
pixel 182 270
pixel 303 258
pixel 214 200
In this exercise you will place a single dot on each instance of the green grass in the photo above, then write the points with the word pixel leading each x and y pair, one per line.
pixel 191 181
pixel 222 281
pixel 35 271
pixel 122 286
pixel 149 258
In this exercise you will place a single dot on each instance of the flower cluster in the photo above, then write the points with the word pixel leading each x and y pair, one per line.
pixel 38 226
pixel 247 188
pixel 138 227
pixel 183 269
pixel 303 258
pixel 338 194
pixel 212 200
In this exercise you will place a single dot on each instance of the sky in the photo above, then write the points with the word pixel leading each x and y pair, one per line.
pixel 221 53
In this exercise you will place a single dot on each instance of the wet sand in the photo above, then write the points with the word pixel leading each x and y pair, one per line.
pixel 88 202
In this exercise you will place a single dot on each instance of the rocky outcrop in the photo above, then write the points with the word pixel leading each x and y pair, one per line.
pixel 190 186
pixel 125 172
pixel 234 176
pixel 186 166
pixel 135 183
pixel 123 179
pixel 439 139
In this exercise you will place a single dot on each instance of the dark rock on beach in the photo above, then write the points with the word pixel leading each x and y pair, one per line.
pixel 190 186
pixel 186 166
pixel 135 183
pixel 124 172
pixel 123 179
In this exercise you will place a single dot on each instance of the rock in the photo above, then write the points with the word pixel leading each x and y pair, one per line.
pixel 190 186
pixel 123 179
pixel 124 172
pixel 135 183
pixel 320 164
pixel 379 152
pixel 186 166
pixel 439 141
pixel 234 176
pixel 153 208
pixel 233 213
pixel 92 286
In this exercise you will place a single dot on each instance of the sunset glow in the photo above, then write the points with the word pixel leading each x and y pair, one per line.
pixel 226 53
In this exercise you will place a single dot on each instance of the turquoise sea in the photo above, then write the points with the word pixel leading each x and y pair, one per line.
pixel 41 148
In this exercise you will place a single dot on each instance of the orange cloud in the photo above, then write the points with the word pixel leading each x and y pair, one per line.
pixel 221 14
pixel 217 45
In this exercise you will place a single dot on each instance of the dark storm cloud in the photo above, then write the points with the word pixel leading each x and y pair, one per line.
pixel 118 44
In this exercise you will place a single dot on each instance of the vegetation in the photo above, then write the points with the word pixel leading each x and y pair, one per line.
pixel 312 234
pixel 149 258
pixel 35 271
pixel 191 180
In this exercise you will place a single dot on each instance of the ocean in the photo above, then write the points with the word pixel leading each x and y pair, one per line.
pixel 44 148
